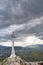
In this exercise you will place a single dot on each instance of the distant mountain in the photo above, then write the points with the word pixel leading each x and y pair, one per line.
pixel 37 47
pixel 28 48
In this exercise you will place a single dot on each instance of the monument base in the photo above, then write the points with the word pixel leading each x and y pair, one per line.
pixel 13 61
pixel 12 56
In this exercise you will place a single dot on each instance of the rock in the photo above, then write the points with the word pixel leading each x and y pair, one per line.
pixel 13 61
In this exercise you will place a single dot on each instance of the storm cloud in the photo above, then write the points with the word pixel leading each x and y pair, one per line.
pixel 21 11
pixel 28 13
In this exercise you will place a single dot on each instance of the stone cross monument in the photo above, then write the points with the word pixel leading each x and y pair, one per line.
pixel 13 51
pixel 13 59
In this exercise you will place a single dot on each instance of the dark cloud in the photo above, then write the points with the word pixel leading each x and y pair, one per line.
pixel 12 13
pixel 38 30
pixel 20 12
pixel 5 38
pixel 35 30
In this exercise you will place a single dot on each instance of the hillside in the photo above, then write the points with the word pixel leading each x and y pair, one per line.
pixel 30 53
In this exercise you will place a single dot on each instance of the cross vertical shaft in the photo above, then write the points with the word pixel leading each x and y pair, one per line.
pixel 13 51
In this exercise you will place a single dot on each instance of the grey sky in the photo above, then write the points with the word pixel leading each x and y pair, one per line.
pixel 28 13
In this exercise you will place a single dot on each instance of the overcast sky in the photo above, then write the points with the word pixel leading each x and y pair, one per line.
pixel 25 17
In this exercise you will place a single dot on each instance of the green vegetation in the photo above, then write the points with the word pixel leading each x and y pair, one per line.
pixel 32 56
pixel 4 57
pixel 4 62
pixel 28 54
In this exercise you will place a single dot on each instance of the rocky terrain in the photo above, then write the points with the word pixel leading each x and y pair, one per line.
pixel 13 61
pixel 18 61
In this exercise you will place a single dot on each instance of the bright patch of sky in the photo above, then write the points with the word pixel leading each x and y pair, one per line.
pixel 28 40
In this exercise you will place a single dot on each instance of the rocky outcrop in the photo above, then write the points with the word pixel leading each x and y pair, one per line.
pixel 18 61
pixel 13 61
